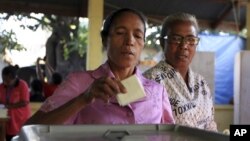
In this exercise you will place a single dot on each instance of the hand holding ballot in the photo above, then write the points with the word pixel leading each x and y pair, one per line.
pixel 135 91
pixel 126 91
pixel 104 88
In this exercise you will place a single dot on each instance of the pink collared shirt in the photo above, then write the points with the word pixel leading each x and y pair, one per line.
pixel 153 109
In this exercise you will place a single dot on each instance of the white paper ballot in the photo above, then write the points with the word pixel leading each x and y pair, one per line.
pixel 135 91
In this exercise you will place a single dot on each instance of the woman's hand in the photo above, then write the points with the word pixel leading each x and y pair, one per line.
pixel 104 88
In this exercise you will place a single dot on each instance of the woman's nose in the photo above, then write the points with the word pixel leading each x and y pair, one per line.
pixel 183 44
pixel 130 39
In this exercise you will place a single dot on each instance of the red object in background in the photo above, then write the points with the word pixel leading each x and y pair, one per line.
pixel 48 89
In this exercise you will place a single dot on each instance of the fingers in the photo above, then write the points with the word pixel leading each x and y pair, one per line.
pixel 117 86
pixel 105 88
pixel 121 87
pixel 112 84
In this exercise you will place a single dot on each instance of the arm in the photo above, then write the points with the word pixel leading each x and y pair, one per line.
pixel 39 70
pixel 49 69
pixel 101 88
pixel 61 114
pixel 17 105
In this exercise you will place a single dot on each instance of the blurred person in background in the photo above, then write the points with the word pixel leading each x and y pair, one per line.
pixel 14 94
pixel 48 86
pixel 36 91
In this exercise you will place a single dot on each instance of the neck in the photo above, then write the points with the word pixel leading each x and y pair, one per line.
pixel 121 73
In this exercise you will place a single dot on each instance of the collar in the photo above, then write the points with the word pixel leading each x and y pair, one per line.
pixel 104 70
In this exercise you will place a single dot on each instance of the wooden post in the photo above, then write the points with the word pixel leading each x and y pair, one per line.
pixel 94 49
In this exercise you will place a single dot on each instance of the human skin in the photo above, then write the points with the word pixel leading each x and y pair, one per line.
pixel 124 45
pixel 180 55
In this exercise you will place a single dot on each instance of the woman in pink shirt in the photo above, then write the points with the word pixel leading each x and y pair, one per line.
pixel 89 97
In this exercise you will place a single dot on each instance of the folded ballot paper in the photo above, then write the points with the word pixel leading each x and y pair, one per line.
pixel 135 91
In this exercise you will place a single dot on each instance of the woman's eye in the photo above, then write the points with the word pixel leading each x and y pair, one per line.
pixel 120 32
pixel 139 36
pixel 175 38
pixel 191 39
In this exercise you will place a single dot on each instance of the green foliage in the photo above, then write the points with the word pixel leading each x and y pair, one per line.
pixel 78 43
pixel 70 39
pixel 8 41
pixel 70 34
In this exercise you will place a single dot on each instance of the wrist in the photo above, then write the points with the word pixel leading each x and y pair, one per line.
pixel 87 97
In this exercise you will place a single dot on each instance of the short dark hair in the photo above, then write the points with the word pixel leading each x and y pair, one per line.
pixel 110 19
pixel 56 78
pixel 10 71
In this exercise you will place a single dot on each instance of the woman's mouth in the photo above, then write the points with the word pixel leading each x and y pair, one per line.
pixel 127 53
pixel 182 56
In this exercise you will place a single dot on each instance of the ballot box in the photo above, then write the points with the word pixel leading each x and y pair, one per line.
pixel 152 132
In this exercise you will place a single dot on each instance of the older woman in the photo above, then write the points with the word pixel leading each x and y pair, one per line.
pixel 90 97
pixel 189 94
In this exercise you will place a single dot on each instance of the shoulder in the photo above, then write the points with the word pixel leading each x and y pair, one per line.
pixel 151 73
pixel 151 85
pixel 22 82
pixel 200 80
pixel 76 78
pixel 149 82
pixel 90 74
pixel 146 81
pixel 198 77
pixel 77 74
